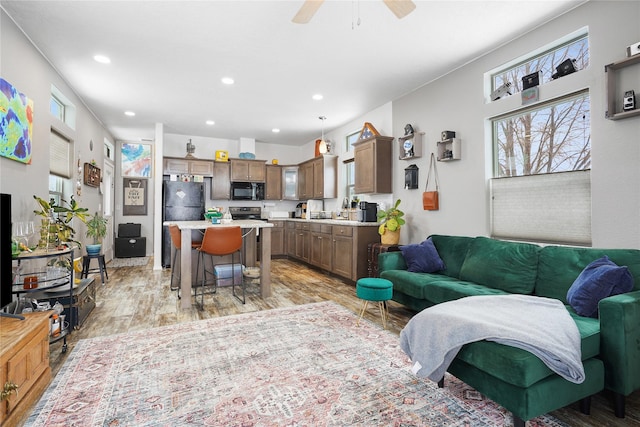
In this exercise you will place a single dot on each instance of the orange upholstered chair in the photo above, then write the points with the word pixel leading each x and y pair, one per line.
pixel 219 241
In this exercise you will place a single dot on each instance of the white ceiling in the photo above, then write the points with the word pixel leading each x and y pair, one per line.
pixel 167 58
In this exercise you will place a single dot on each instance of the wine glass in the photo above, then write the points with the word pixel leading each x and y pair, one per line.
pixel 29 231
pixel 19 233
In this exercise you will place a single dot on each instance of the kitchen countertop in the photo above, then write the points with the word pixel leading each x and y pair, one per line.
pixel 330 221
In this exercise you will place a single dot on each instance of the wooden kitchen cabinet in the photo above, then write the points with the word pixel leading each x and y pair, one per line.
pixel 350 250
pixel 343 251
pixel 221 181
pixel 277 238
pixel 290 238
pixel 373 162
pixel 317 178
pixel 303 241
pixel 248 170
pixel 178 166
pixel 24 361
pixel 305 180
pixel 273 182
pixel 321 250
pixel 339 249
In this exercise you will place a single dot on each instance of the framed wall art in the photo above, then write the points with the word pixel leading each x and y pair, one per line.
pixel 137 160
pixel 134 194
pixel 16 123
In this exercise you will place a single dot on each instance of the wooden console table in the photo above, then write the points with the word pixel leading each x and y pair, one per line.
pixel 24 362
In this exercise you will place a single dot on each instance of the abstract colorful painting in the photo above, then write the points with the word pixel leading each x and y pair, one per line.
pixel 136 160
pixel 16 123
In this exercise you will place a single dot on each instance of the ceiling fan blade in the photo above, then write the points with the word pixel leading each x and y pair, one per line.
pixel 400 8
pixel 306 12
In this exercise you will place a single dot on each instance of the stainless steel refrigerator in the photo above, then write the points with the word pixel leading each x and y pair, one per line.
pixel 181 201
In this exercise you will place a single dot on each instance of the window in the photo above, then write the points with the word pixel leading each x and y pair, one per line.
pixel 56 189
pixel 56 107
pixel 555 137
pixel 60 155
pixel 351 139
pixel 541 190
pixel 350 166
pixel 545 62
pixel 62 108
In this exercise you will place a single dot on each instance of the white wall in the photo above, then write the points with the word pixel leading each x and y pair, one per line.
pixel 454 102
pixel 457 102
pixel 25 68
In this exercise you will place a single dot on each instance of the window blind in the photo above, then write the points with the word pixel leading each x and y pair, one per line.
pixel 60 157
pixel 554 208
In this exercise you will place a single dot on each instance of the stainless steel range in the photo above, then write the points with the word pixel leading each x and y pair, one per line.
pixel 246 212
pixel 249 212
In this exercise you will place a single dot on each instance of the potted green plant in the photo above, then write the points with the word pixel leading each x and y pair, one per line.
pixel 96 229
pixel 390 222
pixel 58 228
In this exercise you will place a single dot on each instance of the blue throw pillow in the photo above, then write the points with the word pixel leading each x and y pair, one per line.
pixel 600 279
pixel 422 257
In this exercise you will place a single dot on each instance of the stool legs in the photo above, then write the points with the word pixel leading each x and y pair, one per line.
pixel 384 313
pixel 102 267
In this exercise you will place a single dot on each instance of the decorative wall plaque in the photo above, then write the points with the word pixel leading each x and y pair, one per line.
pixel 91 175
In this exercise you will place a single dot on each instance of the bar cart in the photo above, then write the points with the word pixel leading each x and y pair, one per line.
pixel 41 271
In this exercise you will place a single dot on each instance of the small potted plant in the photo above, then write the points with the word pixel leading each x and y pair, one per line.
pixel 96 229
pixel 390 222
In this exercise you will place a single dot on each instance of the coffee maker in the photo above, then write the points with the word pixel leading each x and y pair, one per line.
pixel 367 212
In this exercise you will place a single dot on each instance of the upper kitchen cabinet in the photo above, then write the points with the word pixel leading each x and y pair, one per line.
pixel 373 162
pixel 248 170
pixel 177 166
pixel 273 182
pixel 317 178
pixel 221 182
pixel 290 182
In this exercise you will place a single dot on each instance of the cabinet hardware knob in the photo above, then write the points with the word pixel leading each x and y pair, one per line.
pixel 9 387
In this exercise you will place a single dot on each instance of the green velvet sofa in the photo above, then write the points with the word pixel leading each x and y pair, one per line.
pixel 512 377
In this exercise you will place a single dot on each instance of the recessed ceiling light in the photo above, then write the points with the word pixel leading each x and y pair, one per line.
pixel 129 113
pixel 210 122
pixel 227 80
pixel 275 130
pixel 317 96
pixel 102 59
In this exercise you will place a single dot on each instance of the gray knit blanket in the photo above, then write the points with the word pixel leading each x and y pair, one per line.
pixel 539 325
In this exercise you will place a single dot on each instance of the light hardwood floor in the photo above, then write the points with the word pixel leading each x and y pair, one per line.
pixel 138 298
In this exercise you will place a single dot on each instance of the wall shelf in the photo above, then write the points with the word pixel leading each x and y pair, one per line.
pixel 449 149
pixel 91 175
pixel 410 146
pixel 614 104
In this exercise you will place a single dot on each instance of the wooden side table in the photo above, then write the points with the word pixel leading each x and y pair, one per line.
pixel 373 250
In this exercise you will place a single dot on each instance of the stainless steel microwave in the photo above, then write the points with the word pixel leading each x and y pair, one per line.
pixel 247 191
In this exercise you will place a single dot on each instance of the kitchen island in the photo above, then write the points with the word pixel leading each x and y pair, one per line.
pixel 249 241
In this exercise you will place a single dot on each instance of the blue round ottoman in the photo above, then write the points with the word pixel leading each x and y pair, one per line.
pixel 376 290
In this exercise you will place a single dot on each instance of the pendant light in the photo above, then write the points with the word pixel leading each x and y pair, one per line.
pixel 323 144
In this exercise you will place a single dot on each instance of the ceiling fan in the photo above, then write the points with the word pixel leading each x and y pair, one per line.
pixel 400 8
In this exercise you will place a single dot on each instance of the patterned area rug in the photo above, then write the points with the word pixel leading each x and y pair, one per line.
pixel 303 366
pixel 128 262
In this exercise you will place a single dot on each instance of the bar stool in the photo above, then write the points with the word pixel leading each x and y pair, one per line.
pixel 102 267
pixel 219 241
pixel 176 241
